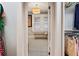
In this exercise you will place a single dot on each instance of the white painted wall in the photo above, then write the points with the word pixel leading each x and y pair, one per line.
pixel 69 17
pixel 10 27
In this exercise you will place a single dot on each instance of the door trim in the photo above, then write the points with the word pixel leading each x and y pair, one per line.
pixel 22 30
pixel 62 27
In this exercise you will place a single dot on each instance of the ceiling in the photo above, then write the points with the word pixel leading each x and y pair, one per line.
pixel 42 5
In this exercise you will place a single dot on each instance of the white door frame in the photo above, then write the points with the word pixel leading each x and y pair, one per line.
pixel 51 29
pixel 22 30
pixel 62 28
pixel 58 31
pixel 55 28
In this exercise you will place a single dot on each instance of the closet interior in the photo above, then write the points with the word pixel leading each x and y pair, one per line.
pixel 71 29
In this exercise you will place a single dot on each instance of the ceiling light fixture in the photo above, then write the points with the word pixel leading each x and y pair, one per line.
pixel 36 9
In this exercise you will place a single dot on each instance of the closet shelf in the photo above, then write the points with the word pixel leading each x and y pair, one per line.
pixel 71 30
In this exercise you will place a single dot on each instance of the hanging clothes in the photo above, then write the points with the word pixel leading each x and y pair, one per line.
pixel 1 10
pixel 76 19
pixel 2 48
pixel 2 52
pixel 77 46
pixel 70 46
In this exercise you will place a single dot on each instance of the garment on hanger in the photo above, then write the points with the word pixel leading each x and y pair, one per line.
pixel 2 52
pixel 1 10
pixel 76 19
pixel 70 46
pixel 77 46
pixel 2 48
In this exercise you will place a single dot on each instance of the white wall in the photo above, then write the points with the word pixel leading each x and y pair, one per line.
pixel 69 17
pixel 10 27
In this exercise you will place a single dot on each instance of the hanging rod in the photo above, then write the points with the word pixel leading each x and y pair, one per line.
pixel 69 4
pixel 71 31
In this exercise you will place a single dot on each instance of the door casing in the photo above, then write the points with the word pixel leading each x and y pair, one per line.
pixel 55 29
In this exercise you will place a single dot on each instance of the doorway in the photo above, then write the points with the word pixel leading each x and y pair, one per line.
pixel 37 29
pixel 54 30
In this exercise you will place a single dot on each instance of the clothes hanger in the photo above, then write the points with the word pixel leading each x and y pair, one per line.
pixel 69 4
